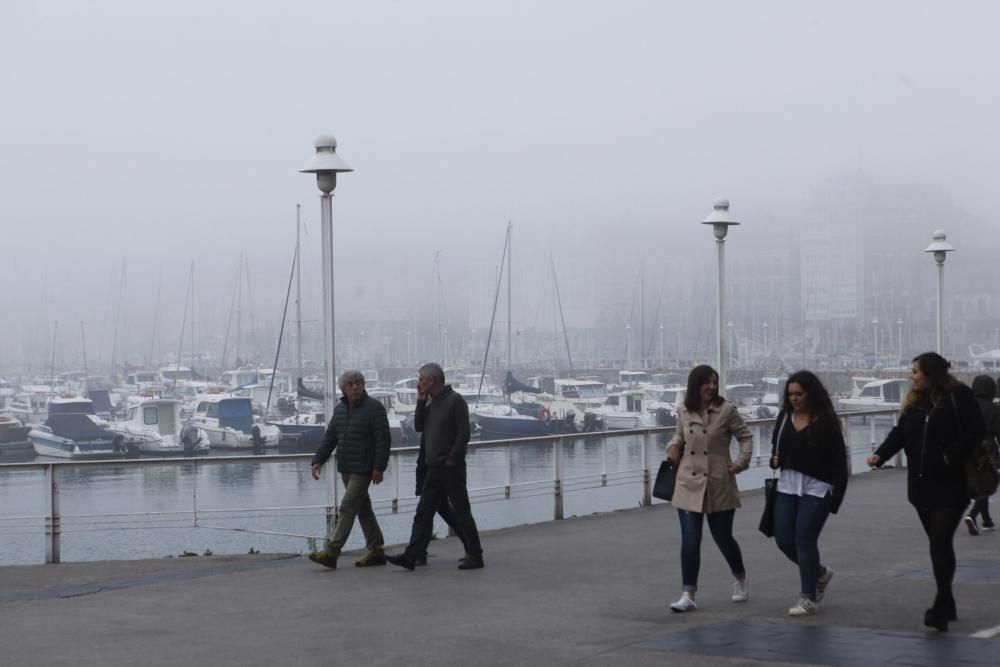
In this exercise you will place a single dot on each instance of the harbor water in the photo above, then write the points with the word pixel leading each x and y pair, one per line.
pixel 112 512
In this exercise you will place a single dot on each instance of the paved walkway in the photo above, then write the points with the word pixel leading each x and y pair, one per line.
pixel 588 591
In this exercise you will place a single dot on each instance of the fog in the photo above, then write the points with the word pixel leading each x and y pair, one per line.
pixel 141 139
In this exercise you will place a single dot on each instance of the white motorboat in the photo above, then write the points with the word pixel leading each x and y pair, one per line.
pixel 154 426
pixel 878 394
pixel 229 422
pixel 625 410
pixel 73 431
pixel 31 404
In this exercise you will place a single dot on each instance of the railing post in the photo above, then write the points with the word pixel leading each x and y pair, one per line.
pixel 395 480
pixel 647 484
pixel 53 527
pixel 604 461
pixel 507 465
pixel 557 464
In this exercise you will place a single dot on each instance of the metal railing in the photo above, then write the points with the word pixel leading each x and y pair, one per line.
pixel 652 441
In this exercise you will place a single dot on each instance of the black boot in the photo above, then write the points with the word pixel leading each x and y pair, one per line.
pixel 945 606
pixel 935 619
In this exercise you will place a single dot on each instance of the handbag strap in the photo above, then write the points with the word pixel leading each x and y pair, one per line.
pixel 774 445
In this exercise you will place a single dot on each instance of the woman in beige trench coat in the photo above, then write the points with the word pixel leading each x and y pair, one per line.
pixel 706 480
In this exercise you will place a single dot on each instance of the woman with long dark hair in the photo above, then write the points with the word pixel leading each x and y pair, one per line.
pixel 808 446
pixel 939 426
pixel 706 480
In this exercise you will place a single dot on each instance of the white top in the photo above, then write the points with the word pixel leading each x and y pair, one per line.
pixel 795 483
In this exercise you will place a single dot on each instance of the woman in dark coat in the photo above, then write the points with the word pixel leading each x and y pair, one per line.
pixel 808 447
pixel 939 425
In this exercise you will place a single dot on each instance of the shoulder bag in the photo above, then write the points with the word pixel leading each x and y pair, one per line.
pixel 766 525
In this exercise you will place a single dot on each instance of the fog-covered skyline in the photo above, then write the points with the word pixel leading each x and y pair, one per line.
pixel 161 135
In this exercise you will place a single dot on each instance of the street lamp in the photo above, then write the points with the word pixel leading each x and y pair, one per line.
pixel 899 326
pixel 326 164
pixel 940 248
pixel 875 332
pixel 721 221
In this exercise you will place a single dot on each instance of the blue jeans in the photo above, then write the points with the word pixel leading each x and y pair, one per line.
pixel 721 526
pixel 798 521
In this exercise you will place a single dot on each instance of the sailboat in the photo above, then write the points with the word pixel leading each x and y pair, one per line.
pixel 506 420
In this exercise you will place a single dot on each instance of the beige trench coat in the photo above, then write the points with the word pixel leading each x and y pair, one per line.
pixel 704 483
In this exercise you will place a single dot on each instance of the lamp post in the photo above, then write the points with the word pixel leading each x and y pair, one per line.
pixel 875 333
pixel 899 326
pixel 940 248
pixel 721 221
pixel 326 164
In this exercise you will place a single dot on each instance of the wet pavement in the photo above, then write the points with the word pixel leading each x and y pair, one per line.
pixel 592 590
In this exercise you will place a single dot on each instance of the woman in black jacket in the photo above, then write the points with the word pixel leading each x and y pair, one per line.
pixel 808 447
pixel 939 426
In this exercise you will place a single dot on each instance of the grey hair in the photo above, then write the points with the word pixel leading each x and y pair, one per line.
pixel 350 375
pixel 433 371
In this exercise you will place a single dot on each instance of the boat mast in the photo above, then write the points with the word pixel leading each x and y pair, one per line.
pixel 52 363
pixel 509 310
pixel 83 343
pixel 298 293
pixel 229 322
pixel 180 344
pixel 239 307
pixel 555 281
pixel 156 317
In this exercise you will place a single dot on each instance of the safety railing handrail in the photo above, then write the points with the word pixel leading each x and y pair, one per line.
pixel 51 469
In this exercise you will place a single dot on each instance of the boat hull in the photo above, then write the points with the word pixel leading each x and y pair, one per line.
pixel 46 444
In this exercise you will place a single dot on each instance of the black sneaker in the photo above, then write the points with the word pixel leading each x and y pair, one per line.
pixel 402 560
pixel 988 524
pixel 420 560
pixel 970 523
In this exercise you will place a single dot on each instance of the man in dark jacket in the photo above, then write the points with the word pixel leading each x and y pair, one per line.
pixel 985 389
pixel 359 432
pixel 444 421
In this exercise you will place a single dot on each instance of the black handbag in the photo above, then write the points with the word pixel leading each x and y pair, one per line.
pixel 666 478
pixel 766 525
pixel 767 518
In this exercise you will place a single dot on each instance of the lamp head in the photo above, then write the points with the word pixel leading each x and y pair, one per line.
pixel 326 164
pixel 720 219
pixel 939 247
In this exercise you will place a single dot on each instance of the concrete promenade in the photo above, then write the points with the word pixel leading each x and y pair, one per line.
pixel 584 591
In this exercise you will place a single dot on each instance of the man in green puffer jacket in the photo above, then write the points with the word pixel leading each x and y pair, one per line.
pixel 359 432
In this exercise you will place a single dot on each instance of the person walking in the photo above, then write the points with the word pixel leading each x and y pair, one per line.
pixel 359 433
pixel 807 445
pixel 443 508
pixel 706 480
pixel 445 425
pixel 985 389
pixel 939 425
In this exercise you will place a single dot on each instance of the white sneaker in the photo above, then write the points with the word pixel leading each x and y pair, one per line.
pixel 684 604
pixel 741 589
pixel 804 607
pixel 822 583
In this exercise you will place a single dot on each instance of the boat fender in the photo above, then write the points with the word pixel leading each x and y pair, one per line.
pixel 543 413
pixel 118 444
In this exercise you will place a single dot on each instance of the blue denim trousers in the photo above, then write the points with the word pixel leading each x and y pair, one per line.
pixel 721 526
pixel 798 521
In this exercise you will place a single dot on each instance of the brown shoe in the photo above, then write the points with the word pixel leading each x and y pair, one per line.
pixel 371 559
pixel 324 558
